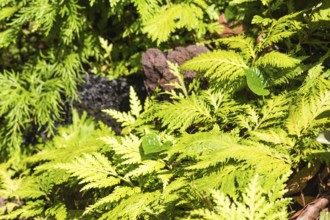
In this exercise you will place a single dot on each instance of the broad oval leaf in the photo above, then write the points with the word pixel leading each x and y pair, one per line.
pixel 256 82
pixel 151 144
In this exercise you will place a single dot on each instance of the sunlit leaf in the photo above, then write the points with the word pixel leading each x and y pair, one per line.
pixel 256 82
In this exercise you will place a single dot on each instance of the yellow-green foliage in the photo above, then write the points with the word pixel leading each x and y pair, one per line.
pixel 46 45
pixel 216 153
pixel 167 19
pixel 202 175
pixel 255 203
pixel 136 184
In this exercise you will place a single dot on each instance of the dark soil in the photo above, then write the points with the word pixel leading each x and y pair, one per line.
pixel 98 93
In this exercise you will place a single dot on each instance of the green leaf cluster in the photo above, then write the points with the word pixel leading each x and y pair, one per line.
pixel 46 46
pixel 221 152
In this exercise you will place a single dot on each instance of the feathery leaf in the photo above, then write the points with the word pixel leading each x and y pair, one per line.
pixel 218 65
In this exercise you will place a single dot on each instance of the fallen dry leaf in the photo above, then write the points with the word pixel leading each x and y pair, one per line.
pixel 298 182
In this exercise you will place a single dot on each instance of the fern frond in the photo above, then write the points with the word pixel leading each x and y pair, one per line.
pixel 147 8
pixel 147 167
pixel 238 2
pixel 321 15
pixel 134 103
pixel 8 185
pixel 220 161
pixel 315 82
pixel 117 195
pixel 133 206
pixel 174 68
pixel 229 179
pixel 127 147
pixel 125 118
pixel 276 136
pixel 249 119
pixel 322 155
pixel 171 193
pixel 218 65
pixel 202 143
pixel 209 215
pixel 281 29
pixel 165 178
pixel 286 75
pixel 184 113
pixel 221 104
pixel 273 163
pixel 171 17
pixel 313 100
pixel 7 37
pixel 196 110
pixel 242 43
pixel 255 203
pixel 256 206
pixel 58 211
pixel 7 12
pixel 216 149
pixel 278 36
pixel 70 142
pixel 30 189
pixel 94 170
pixel 30 209
pixel 277 59
pixel 274 109
pixel 303 118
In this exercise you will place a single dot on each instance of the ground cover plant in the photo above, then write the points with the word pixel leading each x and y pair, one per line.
pixel 239 141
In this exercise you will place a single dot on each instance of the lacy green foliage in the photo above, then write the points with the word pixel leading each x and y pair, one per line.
pixel 43 184
pixel 179 85
pixel 169 18
pixel 218 65
pixel 214 153
pixel 39 67
pixel 35 98
pixel 202 110
pixel 224 161
pixel 267 116
pixel 231 66
pixel 92 169
pixel 293 119
pixel 63 147
pixel 276 30
pixel 129 118
pixel 255 203
pixel 167 184
pixel 44 46
pixel 174 183
pixel 159 20
pixel 263 52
